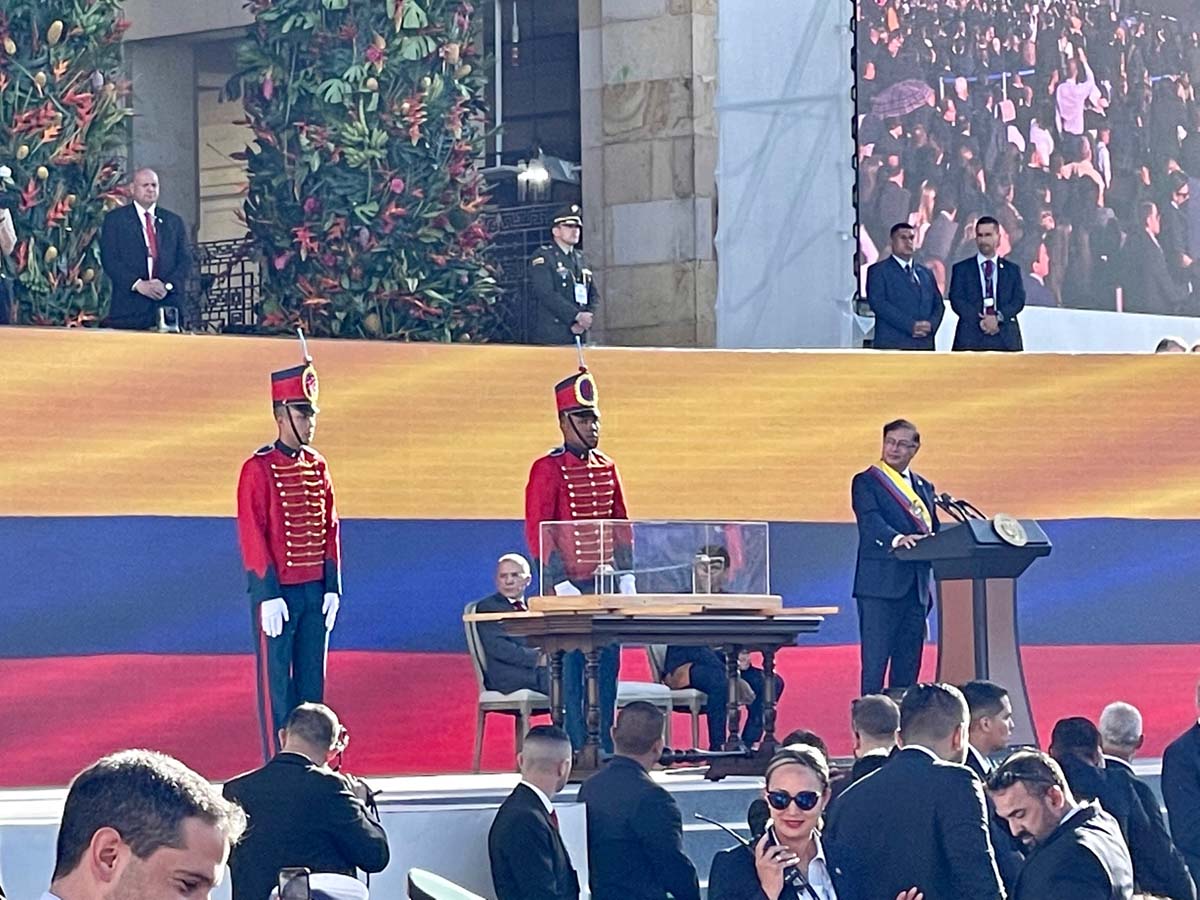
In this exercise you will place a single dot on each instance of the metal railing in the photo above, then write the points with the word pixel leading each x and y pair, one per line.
pixel 226 287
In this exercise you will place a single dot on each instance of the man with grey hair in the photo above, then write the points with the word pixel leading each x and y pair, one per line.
pixel 139 825
pixel 528 856
pixel 1121 731
pixel 510 664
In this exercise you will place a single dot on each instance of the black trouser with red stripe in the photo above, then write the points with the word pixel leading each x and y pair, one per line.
pixel 291 667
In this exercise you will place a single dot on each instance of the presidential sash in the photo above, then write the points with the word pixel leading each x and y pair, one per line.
pixel 903 493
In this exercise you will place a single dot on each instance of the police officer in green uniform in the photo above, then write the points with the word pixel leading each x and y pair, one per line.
pixel 563 288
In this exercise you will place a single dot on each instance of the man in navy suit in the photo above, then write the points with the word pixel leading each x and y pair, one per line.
pixel 894 508
pixel 1181 792
pixel 145 253
pixel 987 294
pixel 904 296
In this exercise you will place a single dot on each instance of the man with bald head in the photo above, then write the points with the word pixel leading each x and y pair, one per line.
pixel 1181 791
pixel 147 256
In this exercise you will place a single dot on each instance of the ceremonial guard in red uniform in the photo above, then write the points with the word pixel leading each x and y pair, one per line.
pixel 288 531
pixel 579 486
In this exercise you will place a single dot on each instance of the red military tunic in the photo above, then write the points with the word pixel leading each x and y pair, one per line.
pixel 564 485
pixel 287 521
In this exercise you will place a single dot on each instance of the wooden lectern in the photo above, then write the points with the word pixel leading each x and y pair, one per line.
pixel 976 564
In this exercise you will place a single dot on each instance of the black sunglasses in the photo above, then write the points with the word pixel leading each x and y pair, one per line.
pixel 805 800
pixel 1003 779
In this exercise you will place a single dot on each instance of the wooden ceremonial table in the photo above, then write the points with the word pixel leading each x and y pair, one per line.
pixel 729 623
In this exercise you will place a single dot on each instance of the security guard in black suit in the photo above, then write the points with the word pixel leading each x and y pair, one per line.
pixel 562 286
pixel 301 812
pixel 529 859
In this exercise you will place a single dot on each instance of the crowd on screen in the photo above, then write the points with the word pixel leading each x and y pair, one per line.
pixel 1073 122
pixel 935 805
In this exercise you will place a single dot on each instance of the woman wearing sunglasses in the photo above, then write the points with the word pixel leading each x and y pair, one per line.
pixel 789 862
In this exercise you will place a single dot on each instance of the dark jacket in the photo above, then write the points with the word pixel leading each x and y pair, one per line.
pixel 919 822
pixel 1009 855
pixel 1084 859
pixel 511 662
pixel 880 518
pixel 899 302
pixel 553 276
pixel 635 837
pixel 1181 791
pixel 300 814
pixel 529 859
pixel 734 877
pixel 966 298
pixel 1157 866
pixel 1146 280
pixel 123 255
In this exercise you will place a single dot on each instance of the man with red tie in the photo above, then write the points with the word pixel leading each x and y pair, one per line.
pixel 577 485
pixel 146 255
pixel 987 293
pixel 289 535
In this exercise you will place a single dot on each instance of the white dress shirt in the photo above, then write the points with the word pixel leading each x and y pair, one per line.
pixel 818 875
pixel 141 214
pixel 979 261
pixel 546 801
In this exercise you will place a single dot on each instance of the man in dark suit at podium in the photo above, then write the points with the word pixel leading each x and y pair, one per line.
pixel 987 294
pixel 904 296
pixel 894 508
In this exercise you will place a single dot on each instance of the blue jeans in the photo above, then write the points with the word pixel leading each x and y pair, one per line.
pixel 575 695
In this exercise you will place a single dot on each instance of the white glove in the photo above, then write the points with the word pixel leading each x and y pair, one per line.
pixel 627 584
pixel 273 613
pixel 567 589
pixel 330 608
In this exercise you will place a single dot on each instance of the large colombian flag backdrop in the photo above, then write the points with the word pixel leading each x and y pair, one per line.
pixel 126 621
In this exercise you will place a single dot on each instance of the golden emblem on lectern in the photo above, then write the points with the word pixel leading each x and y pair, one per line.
pixel 1010 530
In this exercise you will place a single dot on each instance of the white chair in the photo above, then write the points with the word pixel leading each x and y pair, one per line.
pixel 523 704
pixel 688 700
pixel 423 885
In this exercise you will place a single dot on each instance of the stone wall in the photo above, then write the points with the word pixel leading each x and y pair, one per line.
pixel 648 81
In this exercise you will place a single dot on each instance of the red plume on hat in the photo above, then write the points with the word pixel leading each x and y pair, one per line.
pixel 297 386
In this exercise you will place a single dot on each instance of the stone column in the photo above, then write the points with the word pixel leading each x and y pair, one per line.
pixel 164 130
pixel 648 82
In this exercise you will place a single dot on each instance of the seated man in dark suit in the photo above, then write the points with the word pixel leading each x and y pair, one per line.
pixel 1145 278
pixel 703 669
pixel 512 665
pixel 987 294
pixel 1158 867
pixel 301 812
pixel 1076 850
pixel 990 730
pixel 528 856
pixel 920 820
pixel 904 296
pixel 146 255
pixel 635 829
pixel 894 508
pixel 1181 791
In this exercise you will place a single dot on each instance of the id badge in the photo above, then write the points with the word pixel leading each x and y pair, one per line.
pixel 581 294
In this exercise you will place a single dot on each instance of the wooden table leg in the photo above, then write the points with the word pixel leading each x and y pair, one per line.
pixel 591 674
pixel 558 712
pixel 733 715
pixel 768 738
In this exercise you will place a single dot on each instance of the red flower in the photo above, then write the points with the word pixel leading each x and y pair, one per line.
pixel 268 87
pixel 375 55
pixel 397 185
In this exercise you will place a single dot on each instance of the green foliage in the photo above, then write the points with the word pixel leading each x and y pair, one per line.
pixel 364 187
pixel 61 115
